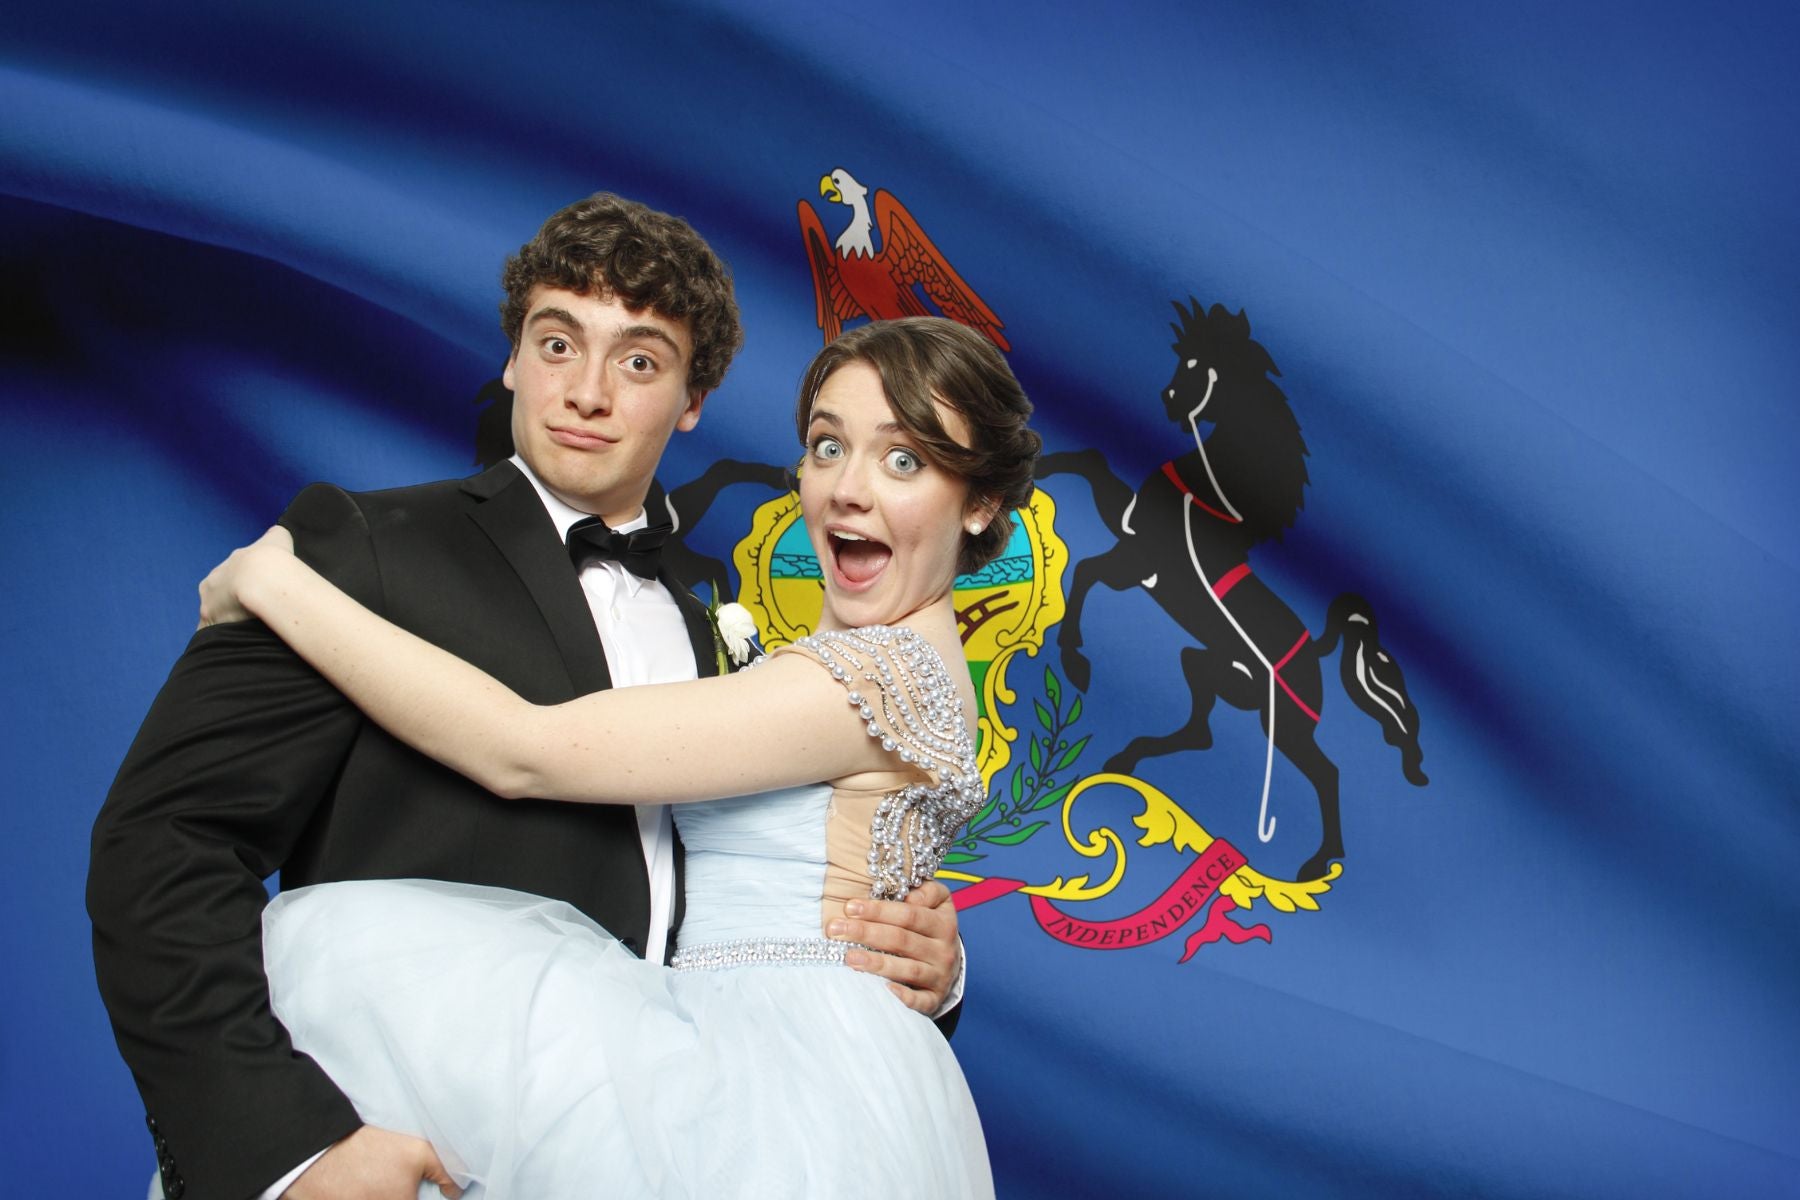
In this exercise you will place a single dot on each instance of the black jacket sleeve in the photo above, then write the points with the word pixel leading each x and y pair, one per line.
pixel 238 752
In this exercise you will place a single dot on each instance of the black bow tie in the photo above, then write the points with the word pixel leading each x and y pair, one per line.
pixel 638 551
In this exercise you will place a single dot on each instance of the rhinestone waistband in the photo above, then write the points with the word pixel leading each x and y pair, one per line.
pixel 711 956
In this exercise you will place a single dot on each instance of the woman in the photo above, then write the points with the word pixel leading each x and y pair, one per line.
pixel 539 1057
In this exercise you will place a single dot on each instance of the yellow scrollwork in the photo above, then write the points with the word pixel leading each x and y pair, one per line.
pixel 1162 821
pixel 786 608
pixel 1026 609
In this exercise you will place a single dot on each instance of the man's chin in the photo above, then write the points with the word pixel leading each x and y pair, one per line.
pixel 568 482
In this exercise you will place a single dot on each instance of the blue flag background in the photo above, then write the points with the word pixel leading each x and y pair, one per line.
pixel 1529 275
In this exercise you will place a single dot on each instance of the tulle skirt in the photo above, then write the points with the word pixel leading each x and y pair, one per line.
pixel 544 1061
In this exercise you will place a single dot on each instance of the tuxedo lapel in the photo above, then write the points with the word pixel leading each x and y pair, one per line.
pixel 513 518
pixel 699 626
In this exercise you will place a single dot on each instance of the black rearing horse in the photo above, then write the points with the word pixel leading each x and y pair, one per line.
pixel 1185 537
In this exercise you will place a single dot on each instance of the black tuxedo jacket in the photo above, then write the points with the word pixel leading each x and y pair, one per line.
pixel 250 763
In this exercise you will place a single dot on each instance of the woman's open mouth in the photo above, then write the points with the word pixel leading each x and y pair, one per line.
pixel 858 559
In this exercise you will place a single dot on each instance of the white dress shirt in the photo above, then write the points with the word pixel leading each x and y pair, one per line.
pixel 646 641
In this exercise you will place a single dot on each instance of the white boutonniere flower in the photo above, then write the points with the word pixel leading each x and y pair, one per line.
pixel 738 628
pixel 734 632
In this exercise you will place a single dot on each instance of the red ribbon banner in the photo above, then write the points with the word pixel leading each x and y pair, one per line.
pixel 1192 891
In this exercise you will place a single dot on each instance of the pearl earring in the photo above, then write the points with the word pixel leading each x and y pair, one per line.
pixel 975 527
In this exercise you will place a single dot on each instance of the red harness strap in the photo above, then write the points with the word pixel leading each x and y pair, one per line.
pixel 1231 579
pixel 1176 479
pixel 1237 575
pixel 1305 637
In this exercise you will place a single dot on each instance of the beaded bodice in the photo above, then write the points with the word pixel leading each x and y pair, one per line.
pixel 897 682
pixel 757 865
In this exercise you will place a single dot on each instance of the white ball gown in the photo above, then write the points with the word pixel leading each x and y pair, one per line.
pixel 543 1060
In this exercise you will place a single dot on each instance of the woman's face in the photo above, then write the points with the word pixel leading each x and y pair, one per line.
pixel 886 524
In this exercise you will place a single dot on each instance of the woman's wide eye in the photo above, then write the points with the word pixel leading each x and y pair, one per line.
pixel 904 462
pixel 827 448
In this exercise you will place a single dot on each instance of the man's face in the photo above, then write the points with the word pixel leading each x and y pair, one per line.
pixel 597 390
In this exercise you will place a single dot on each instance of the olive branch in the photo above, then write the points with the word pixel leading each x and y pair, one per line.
pixel 1031 785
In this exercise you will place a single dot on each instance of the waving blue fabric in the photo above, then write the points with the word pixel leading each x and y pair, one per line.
pixel 1524 281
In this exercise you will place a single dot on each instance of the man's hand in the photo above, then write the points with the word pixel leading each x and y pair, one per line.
pixel 919 952
pixel 373 1164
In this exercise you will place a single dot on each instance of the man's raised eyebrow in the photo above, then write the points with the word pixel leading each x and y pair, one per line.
pixel 650 331
pixel 552 313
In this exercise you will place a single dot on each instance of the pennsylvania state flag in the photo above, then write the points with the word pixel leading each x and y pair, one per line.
pixel 1388 698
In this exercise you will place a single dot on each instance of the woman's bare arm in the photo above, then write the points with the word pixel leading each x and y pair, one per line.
pixel 784 723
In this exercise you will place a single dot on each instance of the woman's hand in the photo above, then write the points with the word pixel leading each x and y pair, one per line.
pixel 222 591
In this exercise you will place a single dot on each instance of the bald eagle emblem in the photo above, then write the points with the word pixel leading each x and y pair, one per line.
pixel 852 279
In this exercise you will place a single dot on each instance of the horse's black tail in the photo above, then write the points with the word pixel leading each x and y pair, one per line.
pixel 1373 679
pixel 1112 496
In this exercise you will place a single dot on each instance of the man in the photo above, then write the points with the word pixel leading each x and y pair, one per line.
pixel 621 321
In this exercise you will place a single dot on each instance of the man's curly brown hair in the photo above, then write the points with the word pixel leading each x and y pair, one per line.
pixel 614 248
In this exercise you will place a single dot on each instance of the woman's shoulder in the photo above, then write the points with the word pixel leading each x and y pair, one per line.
pixel 866 640
pixel 898 683
pixel 885 655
